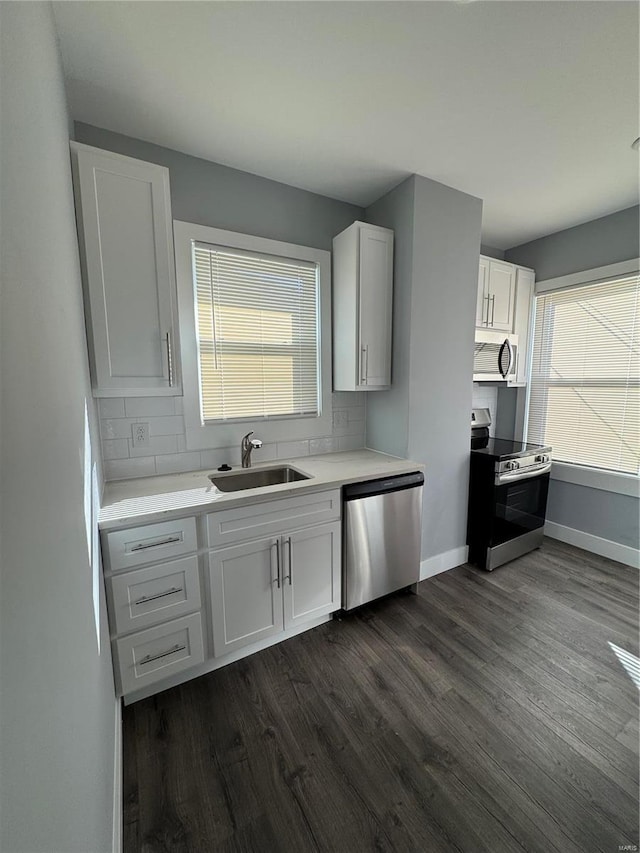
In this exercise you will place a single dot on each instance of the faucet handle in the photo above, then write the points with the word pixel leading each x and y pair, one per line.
pixel 256 443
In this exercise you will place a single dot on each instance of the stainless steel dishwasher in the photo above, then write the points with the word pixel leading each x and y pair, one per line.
pixel 382 533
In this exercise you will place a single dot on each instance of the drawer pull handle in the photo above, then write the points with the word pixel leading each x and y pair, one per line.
pixel 146 598
pixel 172 650
pixel 168 541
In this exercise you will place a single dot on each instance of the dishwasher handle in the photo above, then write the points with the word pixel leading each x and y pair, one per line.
pixel 370 488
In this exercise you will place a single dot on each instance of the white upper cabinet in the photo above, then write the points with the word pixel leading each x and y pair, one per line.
pixel 483 290
pixel 362 306
pixel 124 225
pixel 505 303
pixel 525 282
pixel 496 295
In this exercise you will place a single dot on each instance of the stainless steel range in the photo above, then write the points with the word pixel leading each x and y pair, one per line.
pixel 508 487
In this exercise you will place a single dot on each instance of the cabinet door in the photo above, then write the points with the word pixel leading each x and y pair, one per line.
pixel 502 281
pixel 311 568
pixel 525 281
pixel 483 293
pixel 124 222
pixel 246 594
pixel 375 302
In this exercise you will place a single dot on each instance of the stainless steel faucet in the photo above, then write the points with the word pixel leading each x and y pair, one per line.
pixel 248 444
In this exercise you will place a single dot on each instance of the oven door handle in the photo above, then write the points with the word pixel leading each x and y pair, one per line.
pixel 514 476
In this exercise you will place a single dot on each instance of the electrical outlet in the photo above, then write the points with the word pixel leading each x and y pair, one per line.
pixel 140 433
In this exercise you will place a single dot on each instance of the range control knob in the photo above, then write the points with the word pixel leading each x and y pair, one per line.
pixel 512 465
pixel 542 457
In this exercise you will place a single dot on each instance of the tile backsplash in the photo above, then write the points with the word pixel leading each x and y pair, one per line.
pixel 167 452
pixel 486 397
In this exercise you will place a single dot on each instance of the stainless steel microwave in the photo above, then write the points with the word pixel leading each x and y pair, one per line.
pixel 495 357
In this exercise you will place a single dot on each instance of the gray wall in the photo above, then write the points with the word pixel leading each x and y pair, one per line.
pixel 438 240
pixel 388 411
pixel 57 701
pixel 505 423
pixel 599 513
pixel 594 244
pixel 446 239
pixel 603 241
pixel 215 195
pixel 490 252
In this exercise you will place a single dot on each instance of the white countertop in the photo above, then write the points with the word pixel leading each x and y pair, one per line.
pixel 150 499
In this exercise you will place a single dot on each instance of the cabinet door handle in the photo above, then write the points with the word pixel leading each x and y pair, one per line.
pixel 169 541
pixel 485 321
pixel 277 544
pixel 493 308
pixel 364 363
pixel 146 598
pixel 289 576
pixel 169 358
pixel 172 650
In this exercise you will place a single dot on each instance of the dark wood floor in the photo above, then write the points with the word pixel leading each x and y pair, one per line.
pixel 488 713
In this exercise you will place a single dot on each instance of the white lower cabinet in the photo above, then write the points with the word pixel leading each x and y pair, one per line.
pixel 184 593
pixel 246 600
pixel 151 656
pixel 265 587
pixel 154 594
pixel 155 610
pixel 312 577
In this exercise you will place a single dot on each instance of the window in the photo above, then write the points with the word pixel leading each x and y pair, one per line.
pixel 257 334
pixel 255 337
pixel 584 396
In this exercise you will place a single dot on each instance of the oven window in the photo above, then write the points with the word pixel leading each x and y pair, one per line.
pixel 520 507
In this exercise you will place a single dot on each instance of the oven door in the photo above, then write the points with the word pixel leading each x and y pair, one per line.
pixel 520 507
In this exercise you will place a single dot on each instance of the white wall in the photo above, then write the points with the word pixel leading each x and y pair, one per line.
pixel 57 705
pixel 485 396
pixel 167 452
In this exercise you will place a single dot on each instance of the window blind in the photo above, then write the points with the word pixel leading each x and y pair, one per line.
pixel 585 381
pixel 257 334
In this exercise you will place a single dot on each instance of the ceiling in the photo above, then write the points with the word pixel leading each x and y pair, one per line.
pixel 531 106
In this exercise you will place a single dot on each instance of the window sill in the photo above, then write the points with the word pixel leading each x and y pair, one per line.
pixel 592 478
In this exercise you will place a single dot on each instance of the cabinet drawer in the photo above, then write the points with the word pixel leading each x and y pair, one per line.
pixel 125 549
pixel 147 596
pixel 250 522
pixel 152 655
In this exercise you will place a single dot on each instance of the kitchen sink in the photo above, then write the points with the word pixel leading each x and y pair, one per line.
pixel 239 480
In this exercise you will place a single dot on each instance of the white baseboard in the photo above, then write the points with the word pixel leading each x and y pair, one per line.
pixel 117 780
pixel 443 562
pixel 595 544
